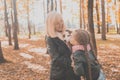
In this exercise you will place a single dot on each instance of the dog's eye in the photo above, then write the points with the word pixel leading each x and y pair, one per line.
pixel 64 35
pixel 65 41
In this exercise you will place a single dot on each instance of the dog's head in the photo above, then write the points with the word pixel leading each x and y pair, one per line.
pixel 67 35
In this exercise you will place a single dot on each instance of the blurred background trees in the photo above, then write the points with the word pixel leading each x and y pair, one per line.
pixel 27 17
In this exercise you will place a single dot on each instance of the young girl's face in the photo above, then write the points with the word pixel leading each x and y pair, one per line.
pixel 59 25
pixel 72 39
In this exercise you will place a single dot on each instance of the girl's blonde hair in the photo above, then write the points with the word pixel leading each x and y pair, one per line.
pixel 52 19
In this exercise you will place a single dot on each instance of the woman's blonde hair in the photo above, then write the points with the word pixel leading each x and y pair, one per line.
pixel 51 20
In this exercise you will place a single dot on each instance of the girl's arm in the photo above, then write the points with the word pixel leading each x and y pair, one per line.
pixel 78 63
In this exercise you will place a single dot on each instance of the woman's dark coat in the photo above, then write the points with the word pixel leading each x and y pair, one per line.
pixel 60 60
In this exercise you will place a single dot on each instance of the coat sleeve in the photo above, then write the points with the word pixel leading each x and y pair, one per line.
pixel 78 63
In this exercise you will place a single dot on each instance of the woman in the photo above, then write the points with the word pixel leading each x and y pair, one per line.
pixel 59 52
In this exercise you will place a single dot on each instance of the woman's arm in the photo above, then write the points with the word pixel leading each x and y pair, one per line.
pixel 56 52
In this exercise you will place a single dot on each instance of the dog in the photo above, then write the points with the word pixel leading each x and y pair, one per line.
pixel 66 38
pixel 67 35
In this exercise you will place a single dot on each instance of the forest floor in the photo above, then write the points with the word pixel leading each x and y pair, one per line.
pixel 32 63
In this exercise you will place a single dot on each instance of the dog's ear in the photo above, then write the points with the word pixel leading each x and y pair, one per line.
pixel 69 31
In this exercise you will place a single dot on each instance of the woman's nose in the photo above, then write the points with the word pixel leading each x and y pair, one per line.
pixel 61 26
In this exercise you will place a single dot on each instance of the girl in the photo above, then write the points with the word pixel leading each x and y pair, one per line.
pixel 59 52
pixel 85 63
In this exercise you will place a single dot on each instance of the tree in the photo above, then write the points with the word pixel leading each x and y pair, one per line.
pixel 55 5
pixel 1 54
pixel 12 25
pixel 48 2
pixel 118 29
pixel 29 28
pixel 98 18
pixel 117 16
pixel 7 24
pixel 52 6
pixel 61 6
pixel 83 17
pixel 91 25
pixel 16 45
pixel 91 30
pixel 80 14
pixel 6 27
pixel 103 20
pixel 34 30
pixel 107 18
pixel 43 9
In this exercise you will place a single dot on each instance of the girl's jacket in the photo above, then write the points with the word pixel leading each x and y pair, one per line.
pixel 81 66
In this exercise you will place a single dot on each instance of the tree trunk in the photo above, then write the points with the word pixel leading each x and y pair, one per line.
pixel 29 28
pixel 7 24
pixel 16 45
pixel 6 30
pixel 91 25
pixel 117 28
pixel 83 18
pixel 5 13
pixel 61 6
pixel 80 14
pixel 18 29
pixel 117 17
pixel 107 27
pixel 52 8
pixel 107 19
pixel 12 25
pixel 10 39
pixel 103 20
pixel 34 29
pixel 98 18
pixel 44 9
pixel 55 5
pixel 1 54
pixel 48 2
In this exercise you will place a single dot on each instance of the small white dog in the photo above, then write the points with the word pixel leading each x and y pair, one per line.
pixel 67 35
